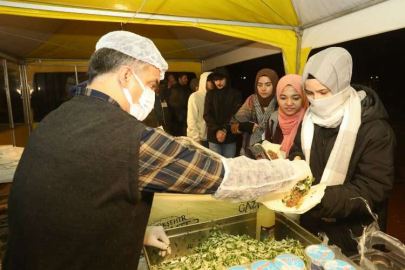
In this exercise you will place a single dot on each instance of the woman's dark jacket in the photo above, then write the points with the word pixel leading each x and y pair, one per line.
pixel 370 176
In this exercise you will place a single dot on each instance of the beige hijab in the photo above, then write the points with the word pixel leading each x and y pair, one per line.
pixel 333 68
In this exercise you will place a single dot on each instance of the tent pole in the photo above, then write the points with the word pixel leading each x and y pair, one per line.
pixel 8 96
pixel 298 33
pixel 77 78
pixel 28 99
pixel 26 95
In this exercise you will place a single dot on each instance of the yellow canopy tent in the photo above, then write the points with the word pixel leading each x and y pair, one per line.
pixel 235 22
pixel 78 25
pixel 192 35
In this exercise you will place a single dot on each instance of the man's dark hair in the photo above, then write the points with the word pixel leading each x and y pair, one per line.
pixel 218 76
pixel 210 77
pixel 181 74
pixel 220 73
pixel 108 60
pixel 171 74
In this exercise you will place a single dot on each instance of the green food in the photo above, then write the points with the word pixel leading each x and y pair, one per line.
pixel 294 199
pixel 222 250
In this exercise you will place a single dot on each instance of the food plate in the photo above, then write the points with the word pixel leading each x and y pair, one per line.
pixel 310 200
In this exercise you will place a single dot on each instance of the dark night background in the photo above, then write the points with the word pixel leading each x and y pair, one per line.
pixel 378 62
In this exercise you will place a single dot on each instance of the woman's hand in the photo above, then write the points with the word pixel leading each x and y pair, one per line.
pixel 255 128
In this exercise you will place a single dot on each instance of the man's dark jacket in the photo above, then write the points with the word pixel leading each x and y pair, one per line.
pixel 219 107
pixel 74 202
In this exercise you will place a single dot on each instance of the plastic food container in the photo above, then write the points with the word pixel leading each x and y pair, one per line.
pixel 318 255
pixel 289 261
pixel 338 265
pixel 264 265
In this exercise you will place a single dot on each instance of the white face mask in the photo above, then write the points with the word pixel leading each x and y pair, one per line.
pixel 328 112
pixel 146 101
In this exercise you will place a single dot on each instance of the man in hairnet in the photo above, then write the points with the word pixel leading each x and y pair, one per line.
pixel 83 189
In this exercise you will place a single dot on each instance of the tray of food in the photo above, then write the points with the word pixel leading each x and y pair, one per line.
pixel 227 242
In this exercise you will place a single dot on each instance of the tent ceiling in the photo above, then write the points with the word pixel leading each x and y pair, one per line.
pixel 312 11
pixel 381 18
pixel 255 11
pixel 205 44
pixel 30 37
pixel 70 28
pixel 293 13
pixel 22 35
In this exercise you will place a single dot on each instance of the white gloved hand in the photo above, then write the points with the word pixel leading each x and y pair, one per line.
pixel 302 169
pixel 246 179
pixel 155 236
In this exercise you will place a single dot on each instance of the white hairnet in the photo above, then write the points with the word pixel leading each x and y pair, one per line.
pixel 134 45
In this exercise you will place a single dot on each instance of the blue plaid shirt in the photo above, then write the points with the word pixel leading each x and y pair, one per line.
pixel 165 165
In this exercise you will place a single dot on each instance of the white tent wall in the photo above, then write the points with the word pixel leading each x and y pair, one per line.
pixel 383 17
pixel 251 51
pixel 314 12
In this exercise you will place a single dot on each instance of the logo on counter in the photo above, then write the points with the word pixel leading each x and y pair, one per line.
pixel 248 207
pixel 175 221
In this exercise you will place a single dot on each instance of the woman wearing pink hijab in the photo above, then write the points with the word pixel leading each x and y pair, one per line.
pixel 293 103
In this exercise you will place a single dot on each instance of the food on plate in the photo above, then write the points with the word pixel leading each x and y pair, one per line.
pixel 273 155
pixel 298 192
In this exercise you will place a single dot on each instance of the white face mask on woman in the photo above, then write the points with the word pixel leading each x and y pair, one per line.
pixel 146 101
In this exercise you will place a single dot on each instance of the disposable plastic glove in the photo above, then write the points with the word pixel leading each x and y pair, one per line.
pixel 246 179
pixel 155 236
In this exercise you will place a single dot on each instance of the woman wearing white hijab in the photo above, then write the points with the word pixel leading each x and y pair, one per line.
pixel 348 143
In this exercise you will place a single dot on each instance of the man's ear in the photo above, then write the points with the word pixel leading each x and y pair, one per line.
pixel 124 74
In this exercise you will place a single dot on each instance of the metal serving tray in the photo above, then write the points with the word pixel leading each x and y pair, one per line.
pixel 183 240
pixel 383 260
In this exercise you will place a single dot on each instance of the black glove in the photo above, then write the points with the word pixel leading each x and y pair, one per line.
pixel 246 127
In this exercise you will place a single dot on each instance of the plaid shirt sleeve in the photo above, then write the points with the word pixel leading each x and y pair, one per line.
pixel 167 166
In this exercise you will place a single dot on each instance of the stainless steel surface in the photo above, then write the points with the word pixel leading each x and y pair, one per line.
pixel 285 227
pixel 383 260
pixel 183 240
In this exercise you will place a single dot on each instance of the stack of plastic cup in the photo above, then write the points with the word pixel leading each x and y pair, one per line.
pixel 318 255
pixel 289 261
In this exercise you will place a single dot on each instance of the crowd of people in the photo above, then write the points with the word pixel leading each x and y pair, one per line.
pixel 340 129
pixel 212 112
pixel 83 190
